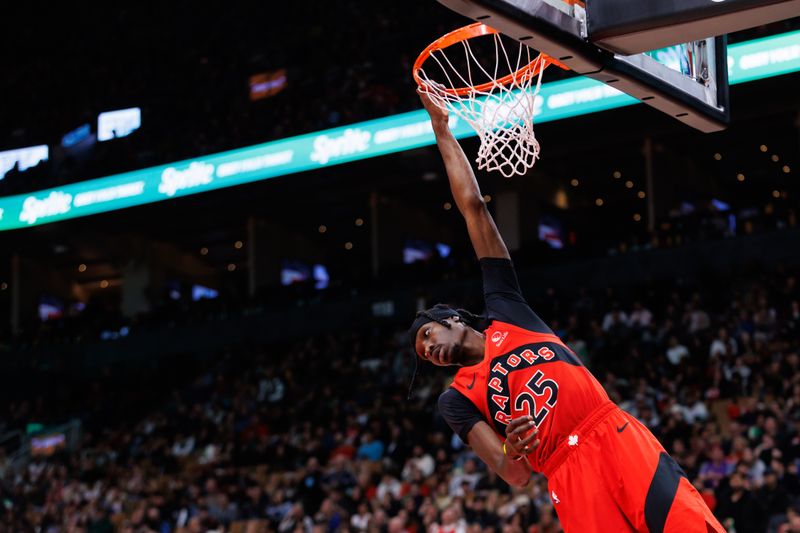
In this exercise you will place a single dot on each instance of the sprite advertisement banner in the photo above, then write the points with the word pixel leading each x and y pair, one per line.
pixel 747 61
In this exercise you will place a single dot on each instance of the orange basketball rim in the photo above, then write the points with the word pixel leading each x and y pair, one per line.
pixel 478 29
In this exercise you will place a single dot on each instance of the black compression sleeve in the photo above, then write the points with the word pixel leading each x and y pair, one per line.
pixel 504 300
pixel 460 413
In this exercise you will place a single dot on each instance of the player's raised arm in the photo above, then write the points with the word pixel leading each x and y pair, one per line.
pixel 486 240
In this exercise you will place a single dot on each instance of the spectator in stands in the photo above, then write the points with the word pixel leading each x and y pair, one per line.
pixel 676 351
pixel 615 320
pixel 451 522
pixel 640 317
pixel 716 468
pixel 371 448
pixel 723 345
pixel 737 508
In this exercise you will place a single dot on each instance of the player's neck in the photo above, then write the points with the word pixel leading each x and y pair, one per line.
pixel 473 347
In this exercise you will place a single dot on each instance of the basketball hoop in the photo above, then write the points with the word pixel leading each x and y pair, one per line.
pixel 500 109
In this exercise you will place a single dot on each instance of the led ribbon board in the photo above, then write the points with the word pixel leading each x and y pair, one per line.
pixel 751 60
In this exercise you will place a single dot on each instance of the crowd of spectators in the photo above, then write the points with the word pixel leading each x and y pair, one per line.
pixel 317 436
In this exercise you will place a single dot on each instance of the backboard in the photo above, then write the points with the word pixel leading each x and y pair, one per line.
pixel 695 92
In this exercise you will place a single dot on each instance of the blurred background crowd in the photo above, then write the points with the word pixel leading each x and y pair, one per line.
pixel 316 435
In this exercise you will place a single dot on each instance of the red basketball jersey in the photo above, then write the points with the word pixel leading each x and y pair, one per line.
pixel 528 373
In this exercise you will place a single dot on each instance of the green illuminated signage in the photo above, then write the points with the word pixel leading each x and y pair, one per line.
pixel 751 60
pixel 764 58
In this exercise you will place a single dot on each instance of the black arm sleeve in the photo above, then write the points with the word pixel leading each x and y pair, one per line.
pixel 504 300
pixel 459 413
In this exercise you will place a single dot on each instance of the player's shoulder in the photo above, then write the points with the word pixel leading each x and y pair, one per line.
pixel 453 402
pixel 450 397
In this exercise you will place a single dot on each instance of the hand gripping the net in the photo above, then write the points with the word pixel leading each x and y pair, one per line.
pixel 502 108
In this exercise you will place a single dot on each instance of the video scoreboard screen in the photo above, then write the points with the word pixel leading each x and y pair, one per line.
pixel 634 26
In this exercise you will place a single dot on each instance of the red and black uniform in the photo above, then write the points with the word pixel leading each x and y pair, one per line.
pixel 605 470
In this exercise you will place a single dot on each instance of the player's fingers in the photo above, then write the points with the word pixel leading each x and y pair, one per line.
pixel 527 447
pixel 527 440
pixel 520 425
pixel 516 422
pixel 520 432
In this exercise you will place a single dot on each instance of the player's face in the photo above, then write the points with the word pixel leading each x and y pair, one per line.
pixel 440 345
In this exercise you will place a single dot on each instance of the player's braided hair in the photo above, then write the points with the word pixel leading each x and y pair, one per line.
pixel 434 315
pixel 478 322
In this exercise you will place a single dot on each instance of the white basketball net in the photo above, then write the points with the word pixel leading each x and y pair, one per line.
pixel 503 114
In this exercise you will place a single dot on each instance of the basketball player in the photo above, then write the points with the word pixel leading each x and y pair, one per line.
pixel 524 403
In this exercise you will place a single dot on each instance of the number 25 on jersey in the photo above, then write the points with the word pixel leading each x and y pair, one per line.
pixel 547 392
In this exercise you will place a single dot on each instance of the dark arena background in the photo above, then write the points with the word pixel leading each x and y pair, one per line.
pixel 217 223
